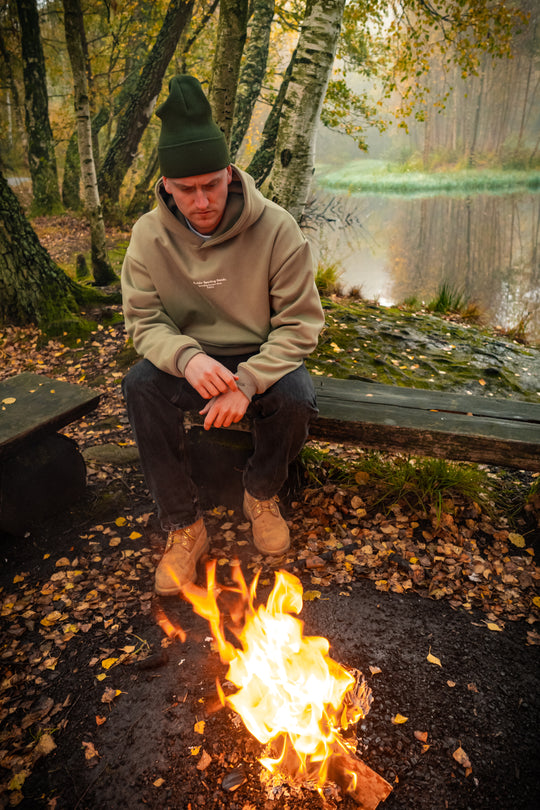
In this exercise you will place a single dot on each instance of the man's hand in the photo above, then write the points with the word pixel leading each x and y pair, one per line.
pixel 225 409
pixel 209 377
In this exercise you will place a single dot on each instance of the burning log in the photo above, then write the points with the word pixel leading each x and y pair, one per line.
pixel 291 695
pixel 358 780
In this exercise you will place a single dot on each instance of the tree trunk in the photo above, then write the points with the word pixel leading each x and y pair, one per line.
pixel 33 289
pixel 41 156
pixel 252 70
pixel 291 173
pixel 262 160
pixel 72 165
pixel 141 201
pixel 232 27
pixel 74 26
pixel 135 119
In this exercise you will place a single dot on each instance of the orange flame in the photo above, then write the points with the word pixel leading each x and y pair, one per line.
pixel 290 694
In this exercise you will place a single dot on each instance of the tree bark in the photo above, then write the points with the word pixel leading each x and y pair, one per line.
pixel 291 173
pixel 252 70
pixel 231 36
pixel 261 162
pixel 74 27
pixel 33 289
pixel 135 119
pixel 41 156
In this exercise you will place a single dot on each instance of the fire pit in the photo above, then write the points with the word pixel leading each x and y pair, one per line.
pixel 290 694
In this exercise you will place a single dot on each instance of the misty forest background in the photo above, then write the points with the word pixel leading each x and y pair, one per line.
pixel 300 88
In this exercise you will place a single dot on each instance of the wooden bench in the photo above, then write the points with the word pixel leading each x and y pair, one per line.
pixel 441 424
pixel 408 421
pixel 41 471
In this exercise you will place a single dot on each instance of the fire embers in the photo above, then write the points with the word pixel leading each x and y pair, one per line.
pixel 290 694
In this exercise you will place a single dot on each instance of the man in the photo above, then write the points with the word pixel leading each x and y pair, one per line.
pixel 220 300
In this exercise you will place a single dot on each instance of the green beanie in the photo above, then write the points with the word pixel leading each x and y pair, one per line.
pixel 190 142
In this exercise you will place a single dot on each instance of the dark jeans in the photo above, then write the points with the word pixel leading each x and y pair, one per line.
pixel 156 402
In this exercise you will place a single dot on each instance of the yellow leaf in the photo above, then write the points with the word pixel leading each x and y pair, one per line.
pixel 309 596
pixel 90 751
pixel 108 662
pixel 536 601
pixel 398 719
pixel 194 750
pixel 461 757
pixel 482 382
pixel 101 676
pixel 517 539
pixel 135 535
pixel 493 626
pixel 120 521
pixel 336 348
pixel 159 782
pixel 115 541
pixel 433 659
pixel 17 578
pixel 198 728
pixel 8 401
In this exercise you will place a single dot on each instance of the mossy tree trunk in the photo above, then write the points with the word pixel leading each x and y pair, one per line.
pixel 33 289
pixel 231 36
pixel 41 156
pixel 252 70
pixel 74 28
pixel 141 106
pixel 290 178
pixel 71 191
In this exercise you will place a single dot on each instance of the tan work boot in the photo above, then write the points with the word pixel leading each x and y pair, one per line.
pixel 178 565
pixel 270 532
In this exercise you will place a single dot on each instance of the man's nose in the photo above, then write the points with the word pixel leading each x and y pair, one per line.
pixel 201 198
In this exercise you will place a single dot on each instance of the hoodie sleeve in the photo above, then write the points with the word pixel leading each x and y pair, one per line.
pixel 154 334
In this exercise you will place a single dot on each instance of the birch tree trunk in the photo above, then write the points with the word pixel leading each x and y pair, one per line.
pixel 74 28
pixel 252 70
pixel 231 36
pixel 41 156
pixel 141 106
pixel 292 170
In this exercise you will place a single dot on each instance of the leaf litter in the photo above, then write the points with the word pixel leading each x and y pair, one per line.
pixel 475 561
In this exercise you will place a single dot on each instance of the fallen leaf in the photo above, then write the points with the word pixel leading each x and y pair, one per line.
pixel 451 684
pixel 8 401
pixel 100 720
pixel 433 659
pixel 375 670
pixel 194 750
pixel 421 735
pixel 108 662
pixel 204 761
pixel 493 626
pixel 110 694
pixel 159 782
pixel 309 596
pixel 517 539
pixel 120 521
pixel 461 757
pixel 90 751
pixel 44 746
pixel 198 728
pixel 398 719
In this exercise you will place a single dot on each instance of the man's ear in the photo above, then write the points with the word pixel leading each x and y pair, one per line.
pixel 166 185
pixel 229 174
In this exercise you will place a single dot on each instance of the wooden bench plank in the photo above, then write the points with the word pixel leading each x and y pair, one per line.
pixel 424 399
pixel 42 406
pixel 405 420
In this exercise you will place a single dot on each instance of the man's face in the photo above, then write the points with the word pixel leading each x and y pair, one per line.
pixel 201 198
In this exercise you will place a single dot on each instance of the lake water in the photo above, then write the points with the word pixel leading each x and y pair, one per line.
pixel 485 246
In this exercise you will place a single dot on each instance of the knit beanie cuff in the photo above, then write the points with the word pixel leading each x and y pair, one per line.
pixel 197 157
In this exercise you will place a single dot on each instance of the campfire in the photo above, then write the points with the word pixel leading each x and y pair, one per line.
pixel 290 694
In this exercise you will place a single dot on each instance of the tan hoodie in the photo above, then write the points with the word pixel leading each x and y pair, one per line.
pixel 248 288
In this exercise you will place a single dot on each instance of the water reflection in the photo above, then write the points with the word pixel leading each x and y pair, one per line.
pixel 393 248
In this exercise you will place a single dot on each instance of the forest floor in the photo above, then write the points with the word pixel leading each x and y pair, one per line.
pixel 101 708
